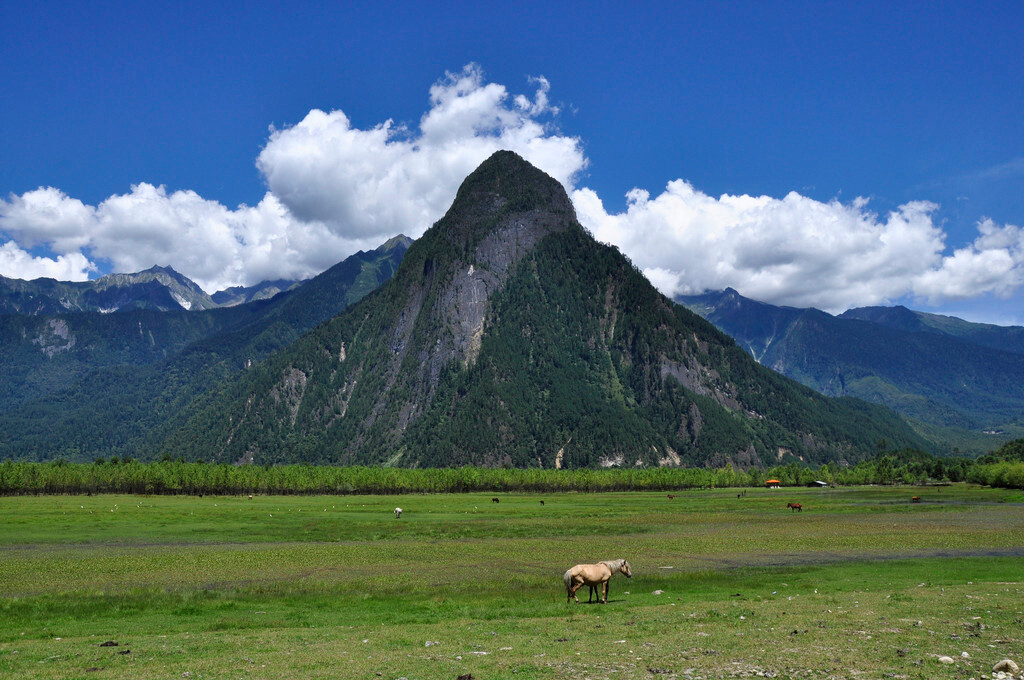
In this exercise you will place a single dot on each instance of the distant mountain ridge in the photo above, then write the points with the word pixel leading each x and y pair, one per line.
pixel 940 371
pixel 509 336
pixel 86 384
pixel 157 288
pixel 264 290
pixel 1006 338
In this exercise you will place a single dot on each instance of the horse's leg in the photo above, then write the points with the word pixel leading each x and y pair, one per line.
pixel 572 590
pixel 605 588
pixel 576 587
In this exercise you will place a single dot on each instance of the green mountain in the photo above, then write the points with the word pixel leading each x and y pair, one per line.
pixel 236 295
pixel 83 385
pixel 1006 338
pixel 157 288
pixel 509 336
pixel 961 382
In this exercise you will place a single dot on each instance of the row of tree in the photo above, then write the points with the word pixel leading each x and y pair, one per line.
pixel 180 477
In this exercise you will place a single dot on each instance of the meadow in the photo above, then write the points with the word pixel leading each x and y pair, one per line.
pixel 862 583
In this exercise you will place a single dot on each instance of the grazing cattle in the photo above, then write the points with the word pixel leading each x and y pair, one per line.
pixel 593 575
pixel 915 499
pixel 250 496
pixel 671 496
pixel 542 502
pixel 796 507
pixel 495 500
pixel 398 513
pixel 739 495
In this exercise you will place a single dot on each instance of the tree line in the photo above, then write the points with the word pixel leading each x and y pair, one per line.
pixel 1003 468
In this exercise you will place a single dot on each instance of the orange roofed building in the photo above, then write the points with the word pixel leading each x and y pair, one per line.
pixel 773 484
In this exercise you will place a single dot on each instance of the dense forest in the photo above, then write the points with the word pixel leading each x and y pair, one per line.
pixel 1004 468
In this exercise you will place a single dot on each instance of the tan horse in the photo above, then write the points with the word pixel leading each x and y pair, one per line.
pixel 594 575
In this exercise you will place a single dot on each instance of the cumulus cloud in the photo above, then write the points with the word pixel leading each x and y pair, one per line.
pixel 47 216
pixel 801 252
pixel 992 263
pixel 334 188
pixel 379 182
pixel 16 263
pixel 215 246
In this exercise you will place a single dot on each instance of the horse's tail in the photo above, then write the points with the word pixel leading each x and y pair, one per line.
pixel 567 578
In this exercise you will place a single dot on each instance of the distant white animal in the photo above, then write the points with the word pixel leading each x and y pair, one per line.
pixel 398 513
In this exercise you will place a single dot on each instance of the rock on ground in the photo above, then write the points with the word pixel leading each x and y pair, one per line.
pixel 1007 666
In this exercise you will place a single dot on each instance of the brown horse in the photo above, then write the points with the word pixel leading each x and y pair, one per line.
pixel 593 575
pixel 795 506
pixel 915 499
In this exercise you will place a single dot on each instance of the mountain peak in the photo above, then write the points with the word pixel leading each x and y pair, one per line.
pixel 895 317
pixel 401 240
pixel 506 183
pixel 505 170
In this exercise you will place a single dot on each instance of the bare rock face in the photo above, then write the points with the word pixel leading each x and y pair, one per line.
pixel 463 303
pixel 742 460
pixel 55 337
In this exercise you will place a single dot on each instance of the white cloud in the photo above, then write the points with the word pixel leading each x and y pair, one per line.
pixel 47 216
pixel 334 188
pixel 993 263
pixel 386 180
pixel 16 263
pixel 799 251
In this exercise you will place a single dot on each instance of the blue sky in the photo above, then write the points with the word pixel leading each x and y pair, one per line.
pixel 918 105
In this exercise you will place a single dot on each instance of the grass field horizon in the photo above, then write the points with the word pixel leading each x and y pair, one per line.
pixel 861 583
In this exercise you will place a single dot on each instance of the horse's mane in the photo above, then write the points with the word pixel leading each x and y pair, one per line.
pixel 614 565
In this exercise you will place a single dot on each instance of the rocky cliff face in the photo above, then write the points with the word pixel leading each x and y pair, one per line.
pixel 510 337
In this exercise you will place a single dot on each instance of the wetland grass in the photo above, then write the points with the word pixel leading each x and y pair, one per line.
pixel 862 583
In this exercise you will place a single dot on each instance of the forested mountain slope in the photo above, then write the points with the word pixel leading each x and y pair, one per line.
pixel 940 371
pixel 83 385
pixel 509 336
pixel 1005 338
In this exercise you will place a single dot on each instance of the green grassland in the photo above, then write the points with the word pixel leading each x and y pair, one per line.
pixel 862 583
